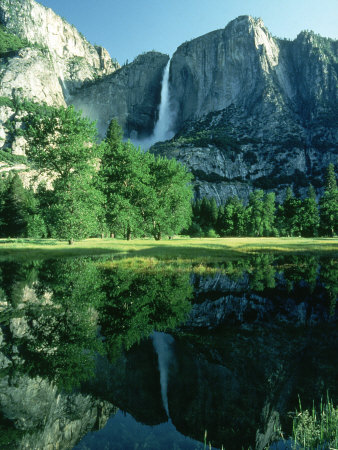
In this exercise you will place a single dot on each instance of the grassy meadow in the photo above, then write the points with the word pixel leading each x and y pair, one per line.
pixel 180 248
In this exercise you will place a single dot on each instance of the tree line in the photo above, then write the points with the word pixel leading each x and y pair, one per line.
pixel 113 188
pixel 263 217
pixel 107 188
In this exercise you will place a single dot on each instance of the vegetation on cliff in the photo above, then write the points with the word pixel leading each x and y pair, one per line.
pixel 9 42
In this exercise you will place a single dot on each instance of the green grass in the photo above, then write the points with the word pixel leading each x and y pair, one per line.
pixel 316 429
pixel 205 250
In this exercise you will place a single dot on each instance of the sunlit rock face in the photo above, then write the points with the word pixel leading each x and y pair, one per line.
pixel 243 65
pixel 131 95
pixel 56 61
pixel 30 74
pixel 73 58
pixel 224 67
pixel 254 111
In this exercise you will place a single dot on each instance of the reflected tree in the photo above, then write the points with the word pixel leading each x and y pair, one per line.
pixel 54 326
pixel 139 303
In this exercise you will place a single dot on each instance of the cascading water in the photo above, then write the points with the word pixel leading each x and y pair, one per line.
pixel 164 125
pixel 162 344
pixel 64 88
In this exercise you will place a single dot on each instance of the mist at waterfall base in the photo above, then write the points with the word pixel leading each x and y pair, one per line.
pixel 163 129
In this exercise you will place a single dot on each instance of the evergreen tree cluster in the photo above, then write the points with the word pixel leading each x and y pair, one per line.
pixel 262 217
pixel 107 188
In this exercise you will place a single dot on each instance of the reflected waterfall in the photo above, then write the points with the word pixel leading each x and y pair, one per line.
pixel 163 346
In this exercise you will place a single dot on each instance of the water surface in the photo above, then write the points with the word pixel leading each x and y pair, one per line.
pixel 100 357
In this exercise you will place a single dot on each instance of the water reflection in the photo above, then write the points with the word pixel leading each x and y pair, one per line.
pixel 76 343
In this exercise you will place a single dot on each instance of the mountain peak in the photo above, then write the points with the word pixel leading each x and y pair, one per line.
pixel 245 22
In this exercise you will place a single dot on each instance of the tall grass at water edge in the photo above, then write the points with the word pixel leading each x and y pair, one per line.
pixel 316 430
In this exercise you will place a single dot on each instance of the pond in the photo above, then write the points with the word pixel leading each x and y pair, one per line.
pixel 96 355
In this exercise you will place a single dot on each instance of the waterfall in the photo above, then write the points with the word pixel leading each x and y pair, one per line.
pixel 162 344
pixel 164 125
pixel 64 88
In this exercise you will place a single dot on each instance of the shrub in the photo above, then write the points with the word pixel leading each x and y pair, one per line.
pixel 211 233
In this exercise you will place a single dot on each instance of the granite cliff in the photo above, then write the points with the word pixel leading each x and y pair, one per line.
pixel 58 66
pixel 131 94
pixel 254 111
pixel 62 58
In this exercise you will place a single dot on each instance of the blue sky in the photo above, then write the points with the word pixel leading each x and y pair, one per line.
pixel 127 28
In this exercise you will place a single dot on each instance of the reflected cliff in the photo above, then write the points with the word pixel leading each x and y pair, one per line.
pixel 230 354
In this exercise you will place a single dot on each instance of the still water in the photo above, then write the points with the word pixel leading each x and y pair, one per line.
pixel 96 356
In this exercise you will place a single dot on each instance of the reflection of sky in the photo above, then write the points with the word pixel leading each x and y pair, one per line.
pixel 123 432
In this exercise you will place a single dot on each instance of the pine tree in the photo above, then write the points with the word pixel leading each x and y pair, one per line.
pixel 269 210
pixel 329 204
pixel 213 213
pixel 255 214
pixel 232 221
pixel 289 215
pixel 205 213
pixel 15 208
pixel 309 214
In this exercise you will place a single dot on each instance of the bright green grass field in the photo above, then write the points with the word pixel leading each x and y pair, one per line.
pixel 193 249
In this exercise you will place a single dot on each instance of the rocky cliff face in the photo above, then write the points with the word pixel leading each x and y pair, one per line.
pixel 131 94
pixel 244 66
pixel 34 412
pixel 55 60
pixel 58 66
pixel 253 111
pixel 73 58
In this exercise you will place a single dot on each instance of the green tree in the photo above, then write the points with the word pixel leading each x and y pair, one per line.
pixel 208 214
pixel 195 227
pixel 289 215
pixel 309 214
pixel 75 209
pixel 232 221
pixel 15 208
pixel 62 145
pixel 169 208
pixel 143 194
pixel 329 204
pixel 127 190
pixel 124 178
pixel 255 213
pixel 269 210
